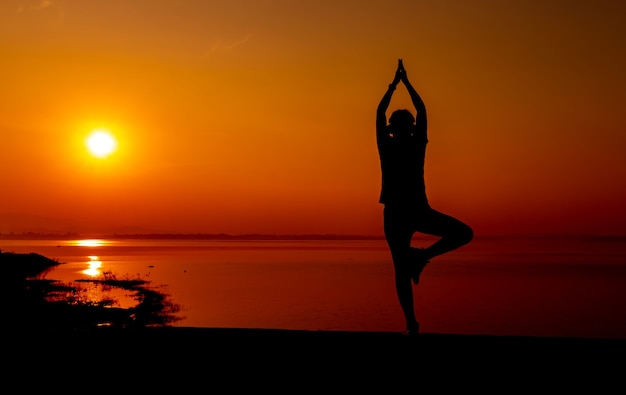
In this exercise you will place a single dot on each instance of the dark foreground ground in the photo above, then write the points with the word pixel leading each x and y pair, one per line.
pixel 184 360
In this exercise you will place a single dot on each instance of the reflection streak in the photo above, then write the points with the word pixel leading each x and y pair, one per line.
pixel 94 266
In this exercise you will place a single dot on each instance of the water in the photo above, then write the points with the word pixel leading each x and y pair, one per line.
pixel 520 287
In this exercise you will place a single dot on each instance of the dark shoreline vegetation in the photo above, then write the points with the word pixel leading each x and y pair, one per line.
pixel 40 303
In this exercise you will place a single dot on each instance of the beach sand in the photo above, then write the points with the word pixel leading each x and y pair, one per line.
pixel 227 360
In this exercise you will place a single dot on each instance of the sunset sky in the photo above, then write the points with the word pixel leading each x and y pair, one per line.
pixel 248 116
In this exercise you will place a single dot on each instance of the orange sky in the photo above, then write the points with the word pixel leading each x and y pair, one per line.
pixel 248 116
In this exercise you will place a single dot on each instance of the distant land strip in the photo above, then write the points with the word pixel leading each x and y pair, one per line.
pixel 186 236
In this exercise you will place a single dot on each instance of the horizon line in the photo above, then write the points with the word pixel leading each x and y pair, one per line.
pixel 273 236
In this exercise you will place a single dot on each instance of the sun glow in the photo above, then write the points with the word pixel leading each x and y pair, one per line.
pixel 89 243
pixel 101 143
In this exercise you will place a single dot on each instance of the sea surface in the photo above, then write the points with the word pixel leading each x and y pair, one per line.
pixel 565 287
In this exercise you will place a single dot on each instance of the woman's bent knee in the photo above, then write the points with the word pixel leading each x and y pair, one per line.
pixel 466 234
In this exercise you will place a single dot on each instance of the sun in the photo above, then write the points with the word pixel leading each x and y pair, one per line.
pixel 101 143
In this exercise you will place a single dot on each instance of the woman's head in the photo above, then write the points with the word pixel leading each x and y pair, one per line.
pixel 401 121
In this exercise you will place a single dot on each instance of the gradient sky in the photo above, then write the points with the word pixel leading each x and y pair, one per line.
pixel 248 116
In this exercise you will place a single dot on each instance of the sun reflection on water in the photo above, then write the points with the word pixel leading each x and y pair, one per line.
pixel 94 266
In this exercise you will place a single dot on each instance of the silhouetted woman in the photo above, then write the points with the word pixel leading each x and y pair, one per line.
pixel 402 149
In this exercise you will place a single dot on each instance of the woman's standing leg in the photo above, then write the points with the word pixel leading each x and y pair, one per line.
pixel 398 234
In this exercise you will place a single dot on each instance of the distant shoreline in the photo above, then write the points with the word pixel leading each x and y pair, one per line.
pixel 186 236
pixel 267 236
